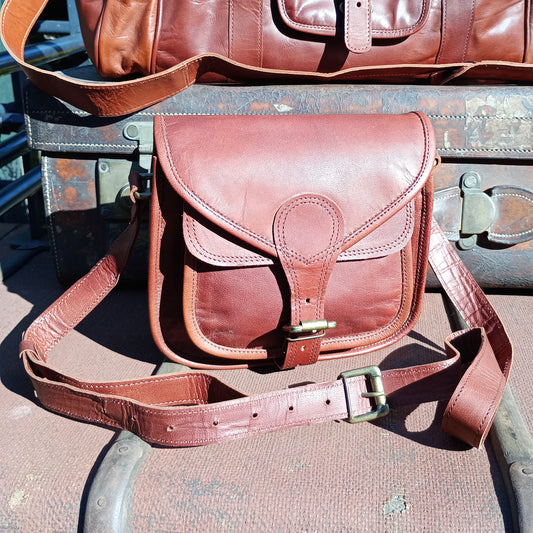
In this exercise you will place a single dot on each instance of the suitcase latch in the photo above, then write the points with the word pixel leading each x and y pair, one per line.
pixel 143 133
pixel 478 211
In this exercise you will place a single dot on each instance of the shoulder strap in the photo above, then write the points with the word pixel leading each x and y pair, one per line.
pixel 115 98
pixel 192 409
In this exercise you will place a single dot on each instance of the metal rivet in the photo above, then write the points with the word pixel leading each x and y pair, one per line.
pixel 527 471
pixel 467 243
pixel 101 502
pixel 123 449
pixel 132 131
pixel 103 167
pixel 471 179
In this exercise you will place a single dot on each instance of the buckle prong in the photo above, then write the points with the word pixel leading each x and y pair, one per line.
pixel 377 393
pixel 317 329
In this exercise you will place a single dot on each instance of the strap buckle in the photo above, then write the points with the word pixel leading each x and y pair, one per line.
pixel 317 329
pixel 377 393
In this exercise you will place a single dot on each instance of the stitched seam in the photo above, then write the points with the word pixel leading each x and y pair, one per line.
pixel 256 259
pixel 384 248
pixel 448 196
pixel 231 28
pixel 319 294
pixel 470 26
pixel 210 408
pixel 323 253
pixel 349 38
pixel 398 32
pixel 486 150
pixel 62 331
pixel 218 348
pixel 514 195
pixel 80 145
pixel 48 203
pixel 260 36
pixel 385 211
pixel 520 234
pixel 156 379
pixel 350 339
pixel 196 244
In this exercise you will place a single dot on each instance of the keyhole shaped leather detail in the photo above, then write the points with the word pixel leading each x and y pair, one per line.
pixel 308 234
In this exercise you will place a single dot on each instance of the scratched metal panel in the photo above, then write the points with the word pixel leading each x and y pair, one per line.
pixel 81 228
pixel 469 121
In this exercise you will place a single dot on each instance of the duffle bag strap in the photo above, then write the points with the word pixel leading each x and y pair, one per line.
pixel 193 408
pixel 116 98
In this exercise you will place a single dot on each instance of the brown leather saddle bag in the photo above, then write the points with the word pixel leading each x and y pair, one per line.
pixel 281 241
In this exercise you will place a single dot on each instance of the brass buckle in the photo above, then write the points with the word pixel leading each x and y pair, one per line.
pixel 317 328
pixel 377 393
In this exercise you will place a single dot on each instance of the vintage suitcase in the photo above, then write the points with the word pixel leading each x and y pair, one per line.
pixel 484 198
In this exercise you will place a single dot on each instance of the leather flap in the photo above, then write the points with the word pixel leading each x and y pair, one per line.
pixel 207 243
pixel 388 19
pixel 235 172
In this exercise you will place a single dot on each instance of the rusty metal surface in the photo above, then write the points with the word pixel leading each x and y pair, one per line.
pixel 469 121
pixel 79 229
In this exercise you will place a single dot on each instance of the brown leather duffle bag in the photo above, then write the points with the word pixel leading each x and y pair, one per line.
pixel 172 44
pixel 283 241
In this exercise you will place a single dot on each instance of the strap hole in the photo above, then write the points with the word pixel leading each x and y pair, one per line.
pixel 170 428
pixel 215 422
pixel 255 415
pixel 291 407
pixel 358 4
pixel 328 402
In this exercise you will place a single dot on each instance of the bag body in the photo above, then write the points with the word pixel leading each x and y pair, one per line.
pixel 125 38
pixel 266 246
pixel 173 45
pixel 283 238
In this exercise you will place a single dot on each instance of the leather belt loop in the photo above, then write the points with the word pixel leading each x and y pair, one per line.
pixel 358 25
pixel 457 23
pixel 308 232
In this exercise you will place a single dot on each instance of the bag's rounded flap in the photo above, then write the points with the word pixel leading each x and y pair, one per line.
pixel 235 173
pixel 389 19
pixel 217 248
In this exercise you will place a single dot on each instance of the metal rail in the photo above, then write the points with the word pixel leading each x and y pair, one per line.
pixel 44 52
pixel 13 147
pixel 17 191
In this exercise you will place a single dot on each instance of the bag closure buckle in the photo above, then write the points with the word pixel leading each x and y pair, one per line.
pixel 316 328
pixel 377 392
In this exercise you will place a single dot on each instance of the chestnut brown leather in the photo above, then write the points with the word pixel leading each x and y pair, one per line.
pixel 173 44
pixel 261 222
pixel 297 237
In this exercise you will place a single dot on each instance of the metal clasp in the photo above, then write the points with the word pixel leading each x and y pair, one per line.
pixel 143 133
pixel 377 393
pixel 317 329
pixel 478 212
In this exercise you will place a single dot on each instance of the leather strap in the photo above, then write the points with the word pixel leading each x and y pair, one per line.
pixel 307 268
pixel 193 409
pixel 109 99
